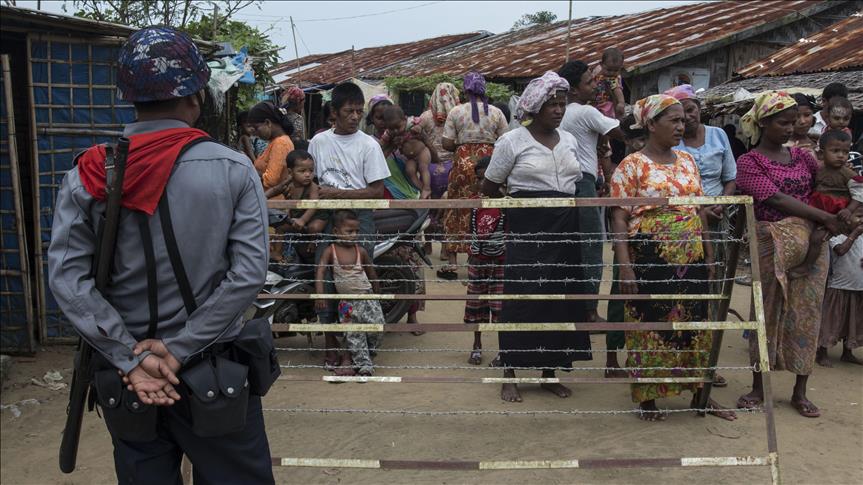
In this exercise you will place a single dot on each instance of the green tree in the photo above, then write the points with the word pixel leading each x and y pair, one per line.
pixel 205 20
pixel 263 53
pixel 542 17
pixel 177 13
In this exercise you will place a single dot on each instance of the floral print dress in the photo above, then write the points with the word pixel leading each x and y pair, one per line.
pixel 666 248
pixel 475 141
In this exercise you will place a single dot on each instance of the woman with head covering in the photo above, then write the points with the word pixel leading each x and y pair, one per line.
pixel 539 160
pixel 443 99
pixel 805 120
pixel 470 131
pixel 780 179
pixel 294 100
pixel 652 258
pixel 711 149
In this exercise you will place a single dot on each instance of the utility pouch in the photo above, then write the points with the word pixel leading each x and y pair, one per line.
pixel 125 415
pixel 254 347
pixel 218 396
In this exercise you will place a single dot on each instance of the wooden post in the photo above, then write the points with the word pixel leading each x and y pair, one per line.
pixel 39 269
pixel 568 30
pixel 215 21
pixel 722 311
pixel 15 174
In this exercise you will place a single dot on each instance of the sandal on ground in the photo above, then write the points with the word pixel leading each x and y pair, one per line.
pixel 719 381
pixel 806 408
pixel 748 402
pixel 416 333
pixel 447 273
pixel 475 357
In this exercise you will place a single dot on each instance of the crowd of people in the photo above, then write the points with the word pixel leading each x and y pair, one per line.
pixel 462 147
pixel 191 248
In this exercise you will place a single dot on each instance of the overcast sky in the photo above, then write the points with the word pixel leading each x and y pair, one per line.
pixel 334 26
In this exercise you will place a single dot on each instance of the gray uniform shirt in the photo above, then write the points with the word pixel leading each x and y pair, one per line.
pixel 219 216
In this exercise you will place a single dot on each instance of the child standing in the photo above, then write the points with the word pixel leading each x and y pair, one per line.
pixel 485 264
pixel 838 190
pixel 353 273
pixel 842 314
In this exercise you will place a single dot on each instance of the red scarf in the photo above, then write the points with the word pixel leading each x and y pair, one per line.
pixel 148 167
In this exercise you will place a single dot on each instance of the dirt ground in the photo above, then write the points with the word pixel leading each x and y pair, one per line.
pixel 812 451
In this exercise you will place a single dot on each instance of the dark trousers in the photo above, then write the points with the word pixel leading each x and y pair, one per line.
pixel 237 458
pixel 590 221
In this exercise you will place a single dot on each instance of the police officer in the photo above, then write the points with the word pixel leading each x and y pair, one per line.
pixel 218 212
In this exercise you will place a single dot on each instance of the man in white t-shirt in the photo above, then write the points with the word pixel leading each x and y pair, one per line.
pixel 589 127
pixel 349 164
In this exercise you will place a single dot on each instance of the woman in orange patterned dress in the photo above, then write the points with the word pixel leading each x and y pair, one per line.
pixel 659 249
pixel 470 131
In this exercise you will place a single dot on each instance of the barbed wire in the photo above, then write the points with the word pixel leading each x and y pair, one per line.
pixel 377 240
pixel 389 235
pixel 749 368
pixel 488 412
pixel 525 265
pixel 529 280
pixel 501 351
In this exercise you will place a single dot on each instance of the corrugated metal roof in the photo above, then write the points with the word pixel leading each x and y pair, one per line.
pixel 839 46
pixel 26 19
pixel 343 65
pixel 718 99
pixel 649 40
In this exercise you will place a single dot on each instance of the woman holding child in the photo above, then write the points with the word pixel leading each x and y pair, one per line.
pixel 399 184
pixel 539 161
pixel 272 124
pixel 781 180
pixel 662 252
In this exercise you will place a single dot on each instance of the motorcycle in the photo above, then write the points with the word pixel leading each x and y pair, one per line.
pixel 395 228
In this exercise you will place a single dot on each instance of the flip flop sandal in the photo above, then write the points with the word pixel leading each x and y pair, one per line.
pixel 806 408
pixel 657 415
pixel 748 403
pixel 447 275
pixel 475 357
pixel 719 381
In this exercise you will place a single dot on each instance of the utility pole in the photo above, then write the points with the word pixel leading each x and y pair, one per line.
pixel 215 20
pixel 568 30
pixel 353 65
pixel 308 121
pixel 296 50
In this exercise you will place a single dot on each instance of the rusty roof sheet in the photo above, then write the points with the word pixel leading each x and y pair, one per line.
pixel 838 47
pixel 343 65
pixel 718 99
pixel 19 18
pixel 649 40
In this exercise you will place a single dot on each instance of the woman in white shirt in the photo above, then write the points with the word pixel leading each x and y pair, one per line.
pixel 539 160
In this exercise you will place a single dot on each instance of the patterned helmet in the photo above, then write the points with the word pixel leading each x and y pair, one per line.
pixel 160 63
